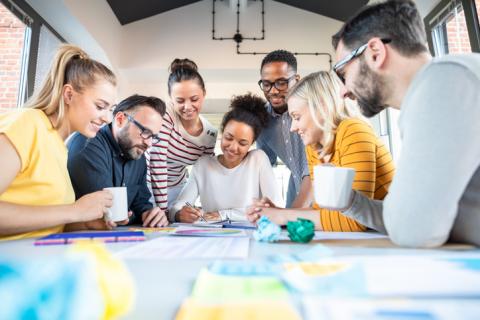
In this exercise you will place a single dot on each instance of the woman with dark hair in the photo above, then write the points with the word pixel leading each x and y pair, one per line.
pixel 185 135
pixel 229 182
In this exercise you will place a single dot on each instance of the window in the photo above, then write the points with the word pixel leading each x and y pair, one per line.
pixel 452 27
pixel 27 46
pixel 47 47
pixel 14 43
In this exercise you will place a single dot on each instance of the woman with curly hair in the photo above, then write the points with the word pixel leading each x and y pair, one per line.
pixel 228 182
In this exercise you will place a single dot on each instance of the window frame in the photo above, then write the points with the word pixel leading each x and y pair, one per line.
pixel 25 12
pixel 442 10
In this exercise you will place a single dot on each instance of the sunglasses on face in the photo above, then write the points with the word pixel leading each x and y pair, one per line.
pixel 279 84
pixel 144 132
pixel 352 55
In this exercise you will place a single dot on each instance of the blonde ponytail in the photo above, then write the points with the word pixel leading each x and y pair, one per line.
pixel 73 66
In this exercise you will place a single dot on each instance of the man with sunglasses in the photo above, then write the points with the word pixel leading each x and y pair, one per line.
pixel 115 158
pixel 383 61
pixel 279 73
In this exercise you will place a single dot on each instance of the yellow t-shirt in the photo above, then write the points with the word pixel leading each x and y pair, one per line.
pixel 356 146
pixel 43 178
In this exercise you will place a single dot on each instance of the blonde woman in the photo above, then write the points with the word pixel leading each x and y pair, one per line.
pixel 333 131
pixel 36 196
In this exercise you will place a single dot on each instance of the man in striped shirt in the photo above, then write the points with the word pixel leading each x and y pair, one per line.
pixel 278 74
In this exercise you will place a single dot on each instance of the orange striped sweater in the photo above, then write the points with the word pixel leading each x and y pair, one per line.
pixel 356 146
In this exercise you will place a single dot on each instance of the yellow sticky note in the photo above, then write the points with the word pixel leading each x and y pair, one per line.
pixel 194 309
pixel 115 282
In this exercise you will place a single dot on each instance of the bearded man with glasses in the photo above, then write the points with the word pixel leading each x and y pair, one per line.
pixel 279 73
pixel 115 158
pixel 383 60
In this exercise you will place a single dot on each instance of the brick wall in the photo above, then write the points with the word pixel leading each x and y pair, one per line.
pixel 457 34
pixel 11 43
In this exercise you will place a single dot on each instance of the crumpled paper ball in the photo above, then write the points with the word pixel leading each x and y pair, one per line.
pixel 301 230
pixel 267 231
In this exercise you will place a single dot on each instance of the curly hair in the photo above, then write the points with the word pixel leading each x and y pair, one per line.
pixel 280 56
pixel 248 109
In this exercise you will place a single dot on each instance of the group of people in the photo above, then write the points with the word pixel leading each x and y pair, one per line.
pixel 382 60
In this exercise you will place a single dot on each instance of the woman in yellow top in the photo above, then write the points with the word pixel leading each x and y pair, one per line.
pixel 335 132
pixel 36 196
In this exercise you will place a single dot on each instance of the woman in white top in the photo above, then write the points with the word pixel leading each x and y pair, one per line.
pixel 228 183
pixel 185 134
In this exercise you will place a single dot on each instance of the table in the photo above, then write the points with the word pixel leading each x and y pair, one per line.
pixel 162 285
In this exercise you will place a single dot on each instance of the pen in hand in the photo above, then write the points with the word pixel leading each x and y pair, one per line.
pixel 188 204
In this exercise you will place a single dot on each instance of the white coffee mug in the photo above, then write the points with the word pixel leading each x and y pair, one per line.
pixel 332 186
pixel 119 210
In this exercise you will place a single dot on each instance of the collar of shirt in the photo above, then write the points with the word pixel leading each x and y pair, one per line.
pixel 106 130
pixel 272 112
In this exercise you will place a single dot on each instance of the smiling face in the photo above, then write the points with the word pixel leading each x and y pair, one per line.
pixel 361 83
pixel 187 97
pixel 237 139
pixel 128 134
pixel 279 72
pixel 91 108
pixel 302 121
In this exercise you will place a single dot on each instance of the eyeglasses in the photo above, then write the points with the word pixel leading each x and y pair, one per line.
pixel 144 132
pixel 354 54
pixel 279 84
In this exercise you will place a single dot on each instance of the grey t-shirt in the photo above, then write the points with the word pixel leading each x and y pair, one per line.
pixel 435 194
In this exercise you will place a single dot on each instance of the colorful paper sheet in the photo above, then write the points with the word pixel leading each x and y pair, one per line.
pixel 167 230
pixel 193 309
pixel 103 236
pixel 208 232
pixel 214 287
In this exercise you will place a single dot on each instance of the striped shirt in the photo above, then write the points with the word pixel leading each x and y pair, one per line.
pixel 357 147
pixel 168 159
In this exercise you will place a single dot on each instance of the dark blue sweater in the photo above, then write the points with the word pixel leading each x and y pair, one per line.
pixel 98 163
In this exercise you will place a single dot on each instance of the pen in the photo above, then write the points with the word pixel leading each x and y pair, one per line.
pixel 188 204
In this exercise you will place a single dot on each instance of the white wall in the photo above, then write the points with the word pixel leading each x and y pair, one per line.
pixel 186 32
pixel 141 52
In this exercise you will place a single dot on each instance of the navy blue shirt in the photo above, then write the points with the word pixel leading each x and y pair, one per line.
pixel 98 163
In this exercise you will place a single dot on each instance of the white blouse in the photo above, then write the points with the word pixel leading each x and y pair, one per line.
pixel 229 191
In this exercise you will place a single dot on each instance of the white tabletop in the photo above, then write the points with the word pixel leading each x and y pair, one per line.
pixel 162 285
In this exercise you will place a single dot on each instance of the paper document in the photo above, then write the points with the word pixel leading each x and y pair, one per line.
pixel 320 307
pixel 208 232
pixel 395 276
pixel 188 248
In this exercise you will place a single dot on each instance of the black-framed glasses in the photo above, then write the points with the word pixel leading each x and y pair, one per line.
pixel 279 84
pixel 354 54
pixel 144 132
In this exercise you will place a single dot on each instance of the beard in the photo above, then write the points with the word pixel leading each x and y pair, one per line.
pixel 370 97
pixel 278 109
pixel 128 148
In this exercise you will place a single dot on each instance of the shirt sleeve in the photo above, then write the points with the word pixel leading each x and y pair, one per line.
pixel 304 168
pixel 440 154
pixel 89 165
pixel 21 129
pixel 268 182
pixel 357 150
pixel 272 156
pixel 189 194
pixel 157 171
pixel 141 201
